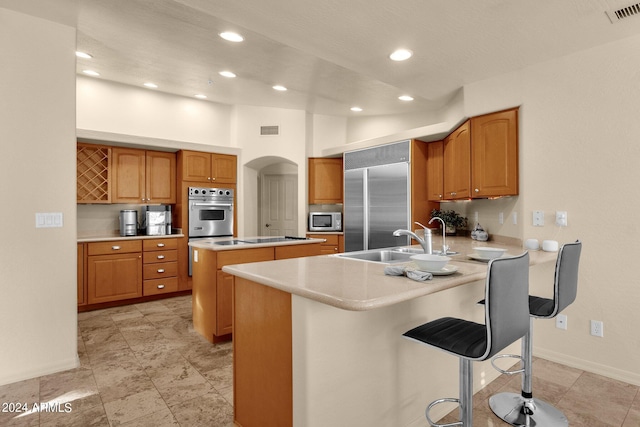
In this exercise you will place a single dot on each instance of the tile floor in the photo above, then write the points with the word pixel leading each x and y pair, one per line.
pixel 144 365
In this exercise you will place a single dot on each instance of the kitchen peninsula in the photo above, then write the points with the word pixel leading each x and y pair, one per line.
pixel 212 288
pixel 317 341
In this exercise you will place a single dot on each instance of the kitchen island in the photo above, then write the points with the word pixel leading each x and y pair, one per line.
pixel 212 288
pixel 317 341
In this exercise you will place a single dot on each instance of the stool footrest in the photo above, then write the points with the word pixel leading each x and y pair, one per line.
pixel 437 402
pixel 502 356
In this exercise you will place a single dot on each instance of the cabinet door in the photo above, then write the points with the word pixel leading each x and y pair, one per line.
pixel 494 151
pixel 82 296
pixel 325 181
pixel 160 177
pixel 435 171
pixel 224 309
pixel 223 168
pixel 128 176
pixel 114 277
pixel 196 166
pixel 457 163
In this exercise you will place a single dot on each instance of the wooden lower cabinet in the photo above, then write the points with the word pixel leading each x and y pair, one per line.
pixel 213 288
pixel 82 293
pixel 114 277
pixel 120 270
pixel 333 243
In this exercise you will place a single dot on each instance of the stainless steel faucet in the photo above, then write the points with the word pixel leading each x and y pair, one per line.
pixel 445 248
pixel 425 243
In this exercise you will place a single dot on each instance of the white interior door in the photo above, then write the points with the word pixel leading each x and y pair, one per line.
pixel 279 205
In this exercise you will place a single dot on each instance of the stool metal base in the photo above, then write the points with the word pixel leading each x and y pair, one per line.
pixel 511 408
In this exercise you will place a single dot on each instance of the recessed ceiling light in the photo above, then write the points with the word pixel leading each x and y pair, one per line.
pixel 200 96
pixel 356 109
pixel 91 73
pixel 405 98
pixel 232 37
pixel 151 85
pixel 280 88
pixel 401 55
pixel 83 55
pixel 228 74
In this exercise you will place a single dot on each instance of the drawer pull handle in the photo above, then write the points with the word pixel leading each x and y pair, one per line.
pixel 161 245
pixel 160 286
pixel 115 248
pixel 160 256
pixel 161 270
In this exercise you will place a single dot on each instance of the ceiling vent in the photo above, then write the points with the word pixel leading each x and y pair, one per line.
pixel 625 12
pixel 269 130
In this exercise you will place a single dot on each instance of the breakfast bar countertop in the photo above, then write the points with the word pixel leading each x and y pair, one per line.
pixel 358 285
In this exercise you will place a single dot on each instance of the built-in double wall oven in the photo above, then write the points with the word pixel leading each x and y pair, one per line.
pixel 210 214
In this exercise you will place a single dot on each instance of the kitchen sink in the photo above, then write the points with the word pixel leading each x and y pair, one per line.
pixel 387 256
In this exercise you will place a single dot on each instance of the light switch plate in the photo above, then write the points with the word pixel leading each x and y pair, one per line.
pixel 49 220
pixel 538 218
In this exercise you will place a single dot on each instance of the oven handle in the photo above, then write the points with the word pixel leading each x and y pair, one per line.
pixel 212 204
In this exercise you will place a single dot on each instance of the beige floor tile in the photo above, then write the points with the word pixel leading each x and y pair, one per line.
pixel 92 417
pixel 134 406
pixel 19 398
pixel 76 388
pixel 162 418
pixel 182 384
pixel 208 410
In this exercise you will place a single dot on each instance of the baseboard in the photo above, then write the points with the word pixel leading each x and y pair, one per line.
pixel 58 366
pixel 595 368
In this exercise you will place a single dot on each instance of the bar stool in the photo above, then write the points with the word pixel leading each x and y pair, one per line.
pixel 523 409
pixel 506 321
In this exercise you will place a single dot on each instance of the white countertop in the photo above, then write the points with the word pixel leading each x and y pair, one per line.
pixel 358 285
pixel 88 237
pixel 210 243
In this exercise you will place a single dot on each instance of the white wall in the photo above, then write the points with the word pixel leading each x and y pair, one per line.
pixel 579 133
pixel 38 320
pixel 112 107
pixel 290 145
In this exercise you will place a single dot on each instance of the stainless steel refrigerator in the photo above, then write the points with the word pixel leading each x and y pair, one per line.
pixel 377 196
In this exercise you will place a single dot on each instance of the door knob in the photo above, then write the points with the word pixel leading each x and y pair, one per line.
pixel 267 225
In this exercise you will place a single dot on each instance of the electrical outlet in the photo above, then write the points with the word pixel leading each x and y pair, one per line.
pixel 475 217
pixel 561 321
pixel 501 218
pixel 597 328
pixel 538 218
pixel 561 218
pixel 515 218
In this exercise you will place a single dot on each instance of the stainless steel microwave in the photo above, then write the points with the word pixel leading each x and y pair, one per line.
pixel 325 221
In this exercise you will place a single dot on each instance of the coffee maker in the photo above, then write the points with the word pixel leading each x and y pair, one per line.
pixel 157 220
pixel 128 222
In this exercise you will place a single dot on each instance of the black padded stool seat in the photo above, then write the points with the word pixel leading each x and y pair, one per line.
pixel 506 321
pixel 523 409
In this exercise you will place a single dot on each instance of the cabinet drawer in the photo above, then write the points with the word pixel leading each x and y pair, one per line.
pixel 242 256
pixel 159 256
pixel 330 239
pixel 159 244
pixel 114 247
pixel 160 270
pixel 160 286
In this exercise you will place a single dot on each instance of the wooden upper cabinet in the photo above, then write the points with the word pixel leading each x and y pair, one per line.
pixel 208 167
pixel 457 163
pixel 128 176
pixel 325 181
pixel 93 173
pixel 160 177
pixel 494 154
pixel 141 176
pixel 435 171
